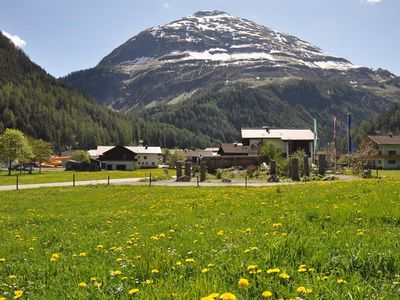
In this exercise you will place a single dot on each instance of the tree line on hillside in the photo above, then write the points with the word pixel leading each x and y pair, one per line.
pixel 385 123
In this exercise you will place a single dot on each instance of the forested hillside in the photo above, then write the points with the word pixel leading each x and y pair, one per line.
pixel 42 107
pixel 385 123
pixel 223 110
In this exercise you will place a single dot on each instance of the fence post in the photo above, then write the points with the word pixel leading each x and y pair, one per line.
pixel 108 180
pixel 197 181
pixel 150 180
pixel 17 183
pixel 245 181
pixel 73 179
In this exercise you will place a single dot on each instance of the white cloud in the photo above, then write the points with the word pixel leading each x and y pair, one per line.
pixel 371 1
pixel 17 41
pixel 166 5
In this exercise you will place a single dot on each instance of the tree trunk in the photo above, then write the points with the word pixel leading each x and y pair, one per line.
pixel 9 168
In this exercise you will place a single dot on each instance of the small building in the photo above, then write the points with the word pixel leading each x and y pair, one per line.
pixel 235 149
pixel 119 158
pixel 145 157
pixel 288 140
pixel 196 156
pixel 388 147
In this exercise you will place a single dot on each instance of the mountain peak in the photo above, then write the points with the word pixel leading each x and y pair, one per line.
pixel 210 13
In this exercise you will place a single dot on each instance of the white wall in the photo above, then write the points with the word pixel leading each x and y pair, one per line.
pixel 129 165
pixel 148 160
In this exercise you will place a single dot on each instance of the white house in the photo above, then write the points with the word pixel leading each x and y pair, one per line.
pixel 288 140
pixel 147 157
pixel 127 157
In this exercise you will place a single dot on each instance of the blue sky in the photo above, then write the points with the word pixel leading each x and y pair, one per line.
pixel 69 35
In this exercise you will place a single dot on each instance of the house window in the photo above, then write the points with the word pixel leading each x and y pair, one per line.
pixel 391 162
pixel 379 162
pixel 138 157
pixel 153 163
pixel 145 157
pixel 392 152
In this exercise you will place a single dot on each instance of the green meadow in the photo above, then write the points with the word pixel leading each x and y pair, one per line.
pixel 49 176
pixel 323 240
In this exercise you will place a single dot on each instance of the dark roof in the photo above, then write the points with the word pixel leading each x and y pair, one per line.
pixel 233 149
pixel 385 139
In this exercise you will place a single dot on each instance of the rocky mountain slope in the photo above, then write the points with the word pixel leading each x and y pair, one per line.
pixel 212 54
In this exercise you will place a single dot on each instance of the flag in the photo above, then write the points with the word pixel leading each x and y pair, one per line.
pixel 334 136
pixel 351 148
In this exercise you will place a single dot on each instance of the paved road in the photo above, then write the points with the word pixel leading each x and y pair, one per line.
pixel 139 181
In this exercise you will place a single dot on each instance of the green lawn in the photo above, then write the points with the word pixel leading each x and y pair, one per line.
pixel 48 176
pixel 335 240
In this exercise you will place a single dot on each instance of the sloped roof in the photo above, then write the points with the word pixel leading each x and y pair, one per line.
pixel 136 149
pixel 199 153
pixel 234 148
pixel 385 139
pixel 144 150
pixel 283 134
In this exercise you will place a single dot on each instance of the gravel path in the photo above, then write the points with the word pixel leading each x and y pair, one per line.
pixel 139 181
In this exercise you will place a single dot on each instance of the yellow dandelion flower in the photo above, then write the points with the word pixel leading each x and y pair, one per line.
pixel 18 294
pixel 162 235
pixel 273 271
pixel 148 281
pixel 220 232
pixel 243 283
pixel 133 291
pixel 284 276
pixel 124 278
pixel 189 260
pixel 93 278
pixel 54 257
pixel 99 247
pixel 210 265
pixel 304 290
pixel 266 294
pixel 82 284
pixel 325 278
pixel 311 269
pixel 302 270
pixel 341 281
pixel 12 276
pixel 2 260
pixel 205 270
pixel 277 225
pixel 117 273
pixel 3 298
pixel 227 296
pixel 83 254
pixel 178 263
pixel 212 296
pixel 119 259
pixel 251 267
pixel 155 271
pixel 246 251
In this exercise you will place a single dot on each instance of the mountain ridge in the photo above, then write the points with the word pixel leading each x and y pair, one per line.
pixel 209 53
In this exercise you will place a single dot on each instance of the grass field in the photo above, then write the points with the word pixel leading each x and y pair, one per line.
pixel 327 240
pixel 62 176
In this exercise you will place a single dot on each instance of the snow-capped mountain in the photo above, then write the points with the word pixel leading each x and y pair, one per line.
pixel 169 63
